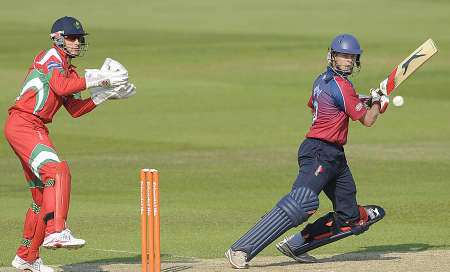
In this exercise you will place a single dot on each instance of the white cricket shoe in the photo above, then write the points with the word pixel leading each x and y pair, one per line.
pixel 237 259
pixel 36 266
pixel 63 239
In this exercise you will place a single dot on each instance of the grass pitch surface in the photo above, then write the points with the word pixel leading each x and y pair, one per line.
pixel 220 111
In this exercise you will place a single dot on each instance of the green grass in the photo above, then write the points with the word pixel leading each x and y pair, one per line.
pixel 220 110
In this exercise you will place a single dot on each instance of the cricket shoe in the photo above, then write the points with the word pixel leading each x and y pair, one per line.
pixel 374 213
pixel 237 259
pixel 36 266
pixel 63 239
pixel 284 248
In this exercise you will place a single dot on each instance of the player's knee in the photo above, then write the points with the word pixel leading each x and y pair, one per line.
pixel 62 168
pixel 54 171
pixel 299 204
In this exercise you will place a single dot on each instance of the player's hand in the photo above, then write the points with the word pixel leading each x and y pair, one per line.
pixel 123 91
pixel 105 79
pixel 366 100
pixel 113 66
pixel 100 95
pixel 384 103
pixel 383 87
pixel 377 96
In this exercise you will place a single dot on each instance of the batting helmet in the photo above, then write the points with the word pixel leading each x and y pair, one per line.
pixel 347 44
pixel 68 26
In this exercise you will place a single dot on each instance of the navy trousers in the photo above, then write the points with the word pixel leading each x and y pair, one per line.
pixel 323 167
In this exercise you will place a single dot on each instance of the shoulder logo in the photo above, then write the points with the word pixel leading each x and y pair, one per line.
pixel 317 91
pixel 53 65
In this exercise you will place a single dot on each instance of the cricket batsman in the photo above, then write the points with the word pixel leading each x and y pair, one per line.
pixel 52 82
pixel 322 167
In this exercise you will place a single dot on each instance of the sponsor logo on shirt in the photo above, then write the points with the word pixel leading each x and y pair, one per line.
pixel 359 106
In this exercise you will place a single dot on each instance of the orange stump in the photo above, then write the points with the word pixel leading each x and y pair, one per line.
pixel 150 221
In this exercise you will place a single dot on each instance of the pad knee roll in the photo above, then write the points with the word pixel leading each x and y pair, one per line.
pixel 299 205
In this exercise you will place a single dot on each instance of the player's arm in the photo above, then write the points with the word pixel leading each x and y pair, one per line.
pixel 77 106
pixel 378 104
pixel 350 101
pixel 371 115
pixel 310 104
pixel 65 86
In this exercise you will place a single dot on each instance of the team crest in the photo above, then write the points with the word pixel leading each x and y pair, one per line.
pixel 77 25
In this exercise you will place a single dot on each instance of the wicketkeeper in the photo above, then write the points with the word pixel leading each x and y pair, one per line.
pixel 52 82
pixel 322 167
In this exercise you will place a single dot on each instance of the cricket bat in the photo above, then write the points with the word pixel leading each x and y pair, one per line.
pixel 408 66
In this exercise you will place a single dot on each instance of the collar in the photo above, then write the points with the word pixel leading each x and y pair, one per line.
pixel 66 59
pixel 330 73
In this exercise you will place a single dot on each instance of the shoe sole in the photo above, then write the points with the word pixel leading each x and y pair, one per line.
pixel 20 267
pixel 233 265
pixel 69 247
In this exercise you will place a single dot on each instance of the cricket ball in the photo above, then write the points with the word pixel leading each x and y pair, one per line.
pixel 398 101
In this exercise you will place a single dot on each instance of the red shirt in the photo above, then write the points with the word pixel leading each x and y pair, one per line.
pixel 333 101
pixel 50 83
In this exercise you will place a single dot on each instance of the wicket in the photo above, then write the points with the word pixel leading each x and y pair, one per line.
pixel 150 221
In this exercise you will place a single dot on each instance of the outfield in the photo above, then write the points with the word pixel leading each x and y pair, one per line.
pixel 220 111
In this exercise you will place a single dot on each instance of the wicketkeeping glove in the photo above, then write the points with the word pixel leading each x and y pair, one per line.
pixel 100 95
pixel 111 65
pixel 123 91
pixel 105 79
pixel 119 89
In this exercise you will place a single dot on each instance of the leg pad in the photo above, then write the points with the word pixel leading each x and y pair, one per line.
pixel 369 215
pixel 62 195
pixel 290 211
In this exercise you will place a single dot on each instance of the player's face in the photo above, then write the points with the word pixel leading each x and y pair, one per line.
pixel 344 62
pixel 73 44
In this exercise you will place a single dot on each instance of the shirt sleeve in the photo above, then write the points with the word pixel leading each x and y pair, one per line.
pixel 310 103
pixel 354 108
pixel 63 85
pixel 77 106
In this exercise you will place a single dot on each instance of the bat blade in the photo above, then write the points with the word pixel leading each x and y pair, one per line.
pixel 408 66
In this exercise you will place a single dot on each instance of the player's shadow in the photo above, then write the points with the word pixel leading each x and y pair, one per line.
pixel 380 252
pixel 377 253
pixel 130 264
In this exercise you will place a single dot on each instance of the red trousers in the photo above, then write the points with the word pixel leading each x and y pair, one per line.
pixel 29 138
